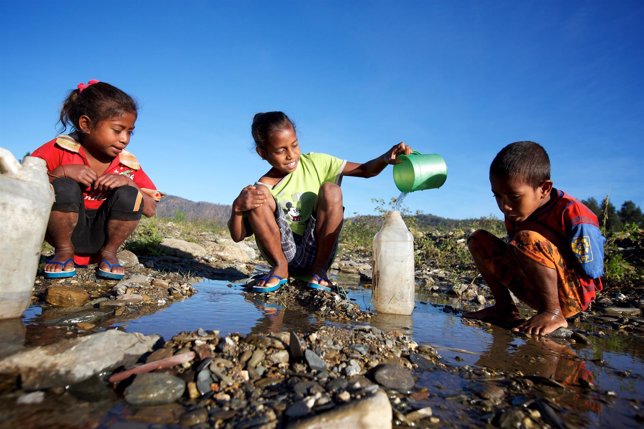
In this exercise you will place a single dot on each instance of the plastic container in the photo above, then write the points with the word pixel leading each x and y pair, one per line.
pixel 393 267
pixel 417 171
pixel 26 198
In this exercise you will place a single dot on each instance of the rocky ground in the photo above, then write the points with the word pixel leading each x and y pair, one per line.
pixel 331 377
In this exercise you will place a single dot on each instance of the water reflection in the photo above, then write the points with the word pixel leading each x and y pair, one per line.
pixel 276 317
pixel 12 336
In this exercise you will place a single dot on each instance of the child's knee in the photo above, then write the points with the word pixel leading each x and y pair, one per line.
pixel 331 194
pixel 68 195
pixel 126 203
pixel 527 238
pixel 481 239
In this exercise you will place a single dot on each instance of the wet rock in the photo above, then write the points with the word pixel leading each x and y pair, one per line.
pixel 563 333
pixel 71 361
pixel 373 412
pixel 31 398
pixel 296 348
pixel 315 362
pixel 419 414
pixel 623 311
pixel 162 353
pixel 154 389
pixel 392 376
pixel 194 417
pixel 67 296
pixel 159 414
pixel 580 338
pixel 204 381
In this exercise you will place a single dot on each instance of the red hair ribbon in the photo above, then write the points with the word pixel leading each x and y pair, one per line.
pixel 82 86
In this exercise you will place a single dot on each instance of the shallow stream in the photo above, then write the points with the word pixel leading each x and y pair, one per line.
pixel 611 366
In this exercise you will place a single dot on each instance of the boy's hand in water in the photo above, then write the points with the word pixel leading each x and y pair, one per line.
pixel 399 149
pixel 249 198
pixel 78 173
pixel 108 182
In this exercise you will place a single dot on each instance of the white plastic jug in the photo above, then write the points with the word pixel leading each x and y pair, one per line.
pixel 393 267
pixel 25 203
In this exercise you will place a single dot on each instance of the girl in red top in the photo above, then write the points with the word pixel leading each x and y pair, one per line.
pixel 101 190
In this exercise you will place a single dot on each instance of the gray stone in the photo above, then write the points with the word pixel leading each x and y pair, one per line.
pixel 279 357
pixel 296 348
pixel 353 368
pixel 72 361
pixel 128 259
pixel 392 376
pixel 154 388
pixel 623 311
pixel 256 358
pixel 419 414
pixel 299 409
pixel 182 248
pixel 204 381
pixel 195 417
pixel 314 361
pixel 227 250
pixel 373 412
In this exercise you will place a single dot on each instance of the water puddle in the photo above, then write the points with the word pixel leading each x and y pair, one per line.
pixel 596 384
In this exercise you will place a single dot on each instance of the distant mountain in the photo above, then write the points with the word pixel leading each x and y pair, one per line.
pixel 177 207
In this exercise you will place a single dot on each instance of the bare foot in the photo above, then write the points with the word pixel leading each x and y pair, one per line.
pixel 55 265
pixel 496 315
pixel 116 268
pixel 543 323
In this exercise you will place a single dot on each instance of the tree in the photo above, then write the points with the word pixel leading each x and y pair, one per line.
pixel 631 213
pixel 593 205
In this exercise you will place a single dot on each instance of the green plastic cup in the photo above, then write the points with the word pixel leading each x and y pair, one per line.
pixel 418 171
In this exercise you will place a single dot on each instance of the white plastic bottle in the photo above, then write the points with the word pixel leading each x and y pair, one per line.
pixel 25 203
pixel 393 267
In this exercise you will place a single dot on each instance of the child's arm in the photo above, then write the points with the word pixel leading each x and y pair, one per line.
pixel 113 181
pixel 249 198
pixel 376 165
pixel 77 172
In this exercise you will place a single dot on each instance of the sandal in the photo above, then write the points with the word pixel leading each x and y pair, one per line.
pixel 317 286
pixel 62 274
pixel 109 274
pixel 266 288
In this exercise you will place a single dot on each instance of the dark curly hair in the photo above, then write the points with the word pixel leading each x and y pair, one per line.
pixel 526 160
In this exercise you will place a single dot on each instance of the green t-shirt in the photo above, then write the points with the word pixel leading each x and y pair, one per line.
pixel 297 192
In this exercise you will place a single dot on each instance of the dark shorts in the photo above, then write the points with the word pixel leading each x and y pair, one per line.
pixel 89 236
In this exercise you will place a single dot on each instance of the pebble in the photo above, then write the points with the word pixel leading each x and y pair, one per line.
pixel 315 362
pixel 396 377
pixel 154 388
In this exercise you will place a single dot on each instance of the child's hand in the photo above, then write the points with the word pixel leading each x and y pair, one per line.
pixel 399 149
pixel 111 181
pixel 249 198
pixel 79 173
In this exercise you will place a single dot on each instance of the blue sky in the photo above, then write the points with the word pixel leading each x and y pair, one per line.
pixel 457 78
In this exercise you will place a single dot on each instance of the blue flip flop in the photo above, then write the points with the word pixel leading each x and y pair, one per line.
pixel 318 286
pixel 109 274
pixel 60 274
pixel 265 289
